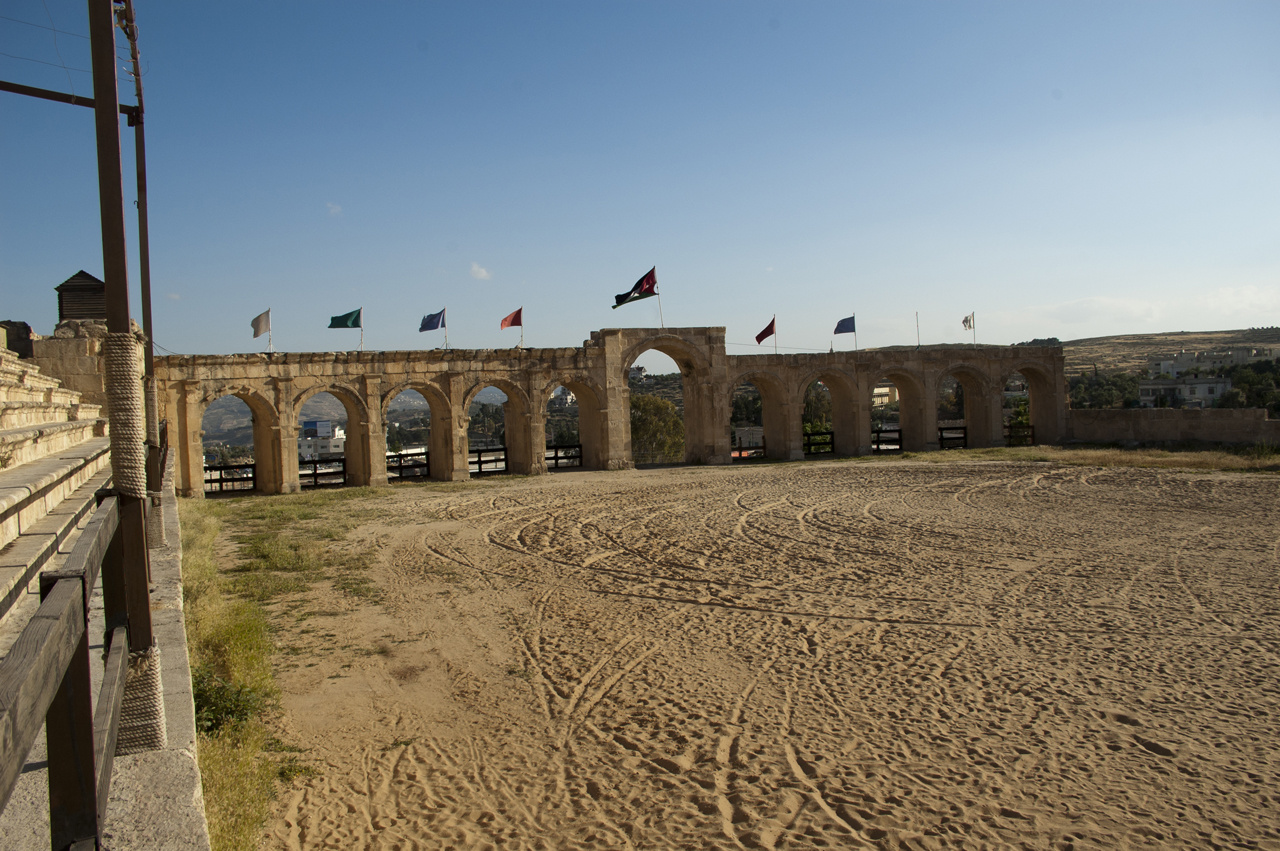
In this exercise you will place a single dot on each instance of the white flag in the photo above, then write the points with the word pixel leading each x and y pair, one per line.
pixel 262 324
pixel 968 322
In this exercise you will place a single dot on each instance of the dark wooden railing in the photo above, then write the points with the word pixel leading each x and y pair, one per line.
pixel 414 464
pixel 565 455
pixel 333 474
pixel 235 477
pixel 493 458
pixel 45 679
pixel 820 442
pixel 953 437
pixel 886 440
pixel 1019 435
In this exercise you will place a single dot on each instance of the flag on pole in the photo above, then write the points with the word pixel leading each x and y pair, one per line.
pixel 261 324
pixel 846 326
pixel 769 331
pixel 513 319
pixel 432 321
pixel 347 320
pixel 645 287
pixel 968 322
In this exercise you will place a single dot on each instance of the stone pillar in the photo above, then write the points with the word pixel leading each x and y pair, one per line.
pixel 376 430
pixel 287 436
pixel 187 438
pixel 457 470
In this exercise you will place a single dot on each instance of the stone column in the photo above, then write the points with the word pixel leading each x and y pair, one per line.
pixel 287 437
pixel 376 431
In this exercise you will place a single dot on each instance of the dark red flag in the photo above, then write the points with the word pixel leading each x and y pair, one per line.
pixel 768 331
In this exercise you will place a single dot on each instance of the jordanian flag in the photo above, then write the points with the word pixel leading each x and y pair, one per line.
pixel 347 320
pixel 645 287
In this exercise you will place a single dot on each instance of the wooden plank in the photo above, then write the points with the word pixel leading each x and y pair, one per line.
pixel 106 720
pixel 73 802
pixel 86 555
pixel 31 673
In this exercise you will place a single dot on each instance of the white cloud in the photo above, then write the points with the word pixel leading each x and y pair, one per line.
pixel 334 209
pixel 479 272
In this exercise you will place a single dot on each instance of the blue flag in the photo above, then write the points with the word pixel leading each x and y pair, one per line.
pixel 846 326
pixel 432 321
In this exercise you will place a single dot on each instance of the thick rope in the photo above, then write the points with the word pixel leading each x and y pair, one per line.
pixel 128 414
pixel 142 723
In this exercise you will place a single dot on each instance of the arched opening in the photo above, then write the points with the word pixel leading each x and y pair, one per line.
pixel 499 430
pixel 574 427
pixel 760 413
pixel 228 433
pixel 967 410
pixel 817 421
pixel 952 433
pixel 408 426
pixel 487 432
pixel 830 415
pixel 886 417
pixel 659 435
pixel 1029 407
pixel 332 440
pixel 746 423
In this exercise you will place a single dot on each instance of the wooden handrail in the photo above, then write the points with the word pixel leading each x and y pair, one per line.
pixel 45 683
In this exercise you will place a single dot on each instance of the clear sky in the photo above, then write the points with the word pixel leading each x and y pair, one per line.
pixel 1065 169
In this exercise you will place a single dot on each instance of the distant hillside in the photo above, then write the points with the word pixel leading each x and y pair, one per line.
pixel 1131 352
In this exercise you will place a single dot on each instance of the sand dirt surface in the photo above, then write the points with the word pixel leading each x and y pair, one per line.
pixel 819 655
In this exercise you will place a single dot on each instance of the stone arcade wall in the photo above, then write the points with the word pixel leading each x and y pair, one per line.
pixel 275 386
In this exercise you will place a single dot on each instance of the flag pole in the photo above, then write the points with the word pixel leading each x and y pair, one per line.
pixel 775 333
pixel 917 330
pixel 361 315
pixel 269 346
pixel 974 327
pixel 662 322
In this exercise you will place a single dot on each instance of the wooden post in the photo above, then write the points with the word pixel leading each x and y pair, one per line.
pixel 73 796
pixel 133 524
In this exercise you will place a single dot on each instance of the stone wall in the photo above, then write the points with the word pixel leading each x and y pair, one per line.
pixel 73 355
pixel 1171 425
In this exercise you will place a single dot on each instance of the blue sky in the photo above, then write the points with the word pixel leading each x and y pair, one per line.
pixel 1060 169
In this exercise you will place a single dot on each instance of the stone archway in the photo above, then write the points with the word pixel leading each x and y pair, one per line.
pixel 783 439
pixel 846 408
pixel 268 470
pixel 917 409
pixel 358 452
pixel 593 425
pixel 982 403
pixel 704 389
pixel 441 439
pixel 522 431
pixel 1048 408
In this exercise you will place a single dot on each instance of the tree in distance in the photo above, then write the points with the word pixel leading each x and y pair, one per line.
pixel 657 432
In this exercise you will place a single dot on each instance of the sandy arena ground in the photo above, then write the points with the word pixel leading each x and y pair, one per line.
pixel 835 655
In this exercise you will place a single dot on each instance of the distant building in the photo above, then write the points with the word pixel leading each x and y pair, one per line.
pixel 883 394
pixel 1185 361
pixel 321 440
pixel 638 373
pixel 563 398
pixel 1184 392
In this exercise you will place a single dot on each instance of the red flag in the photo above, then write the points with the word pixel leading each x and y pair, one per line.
pixel 513 319
pixel 768 331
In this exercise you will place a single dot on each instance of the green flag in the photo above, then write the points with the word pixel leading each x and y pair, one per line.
pixel 347 320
